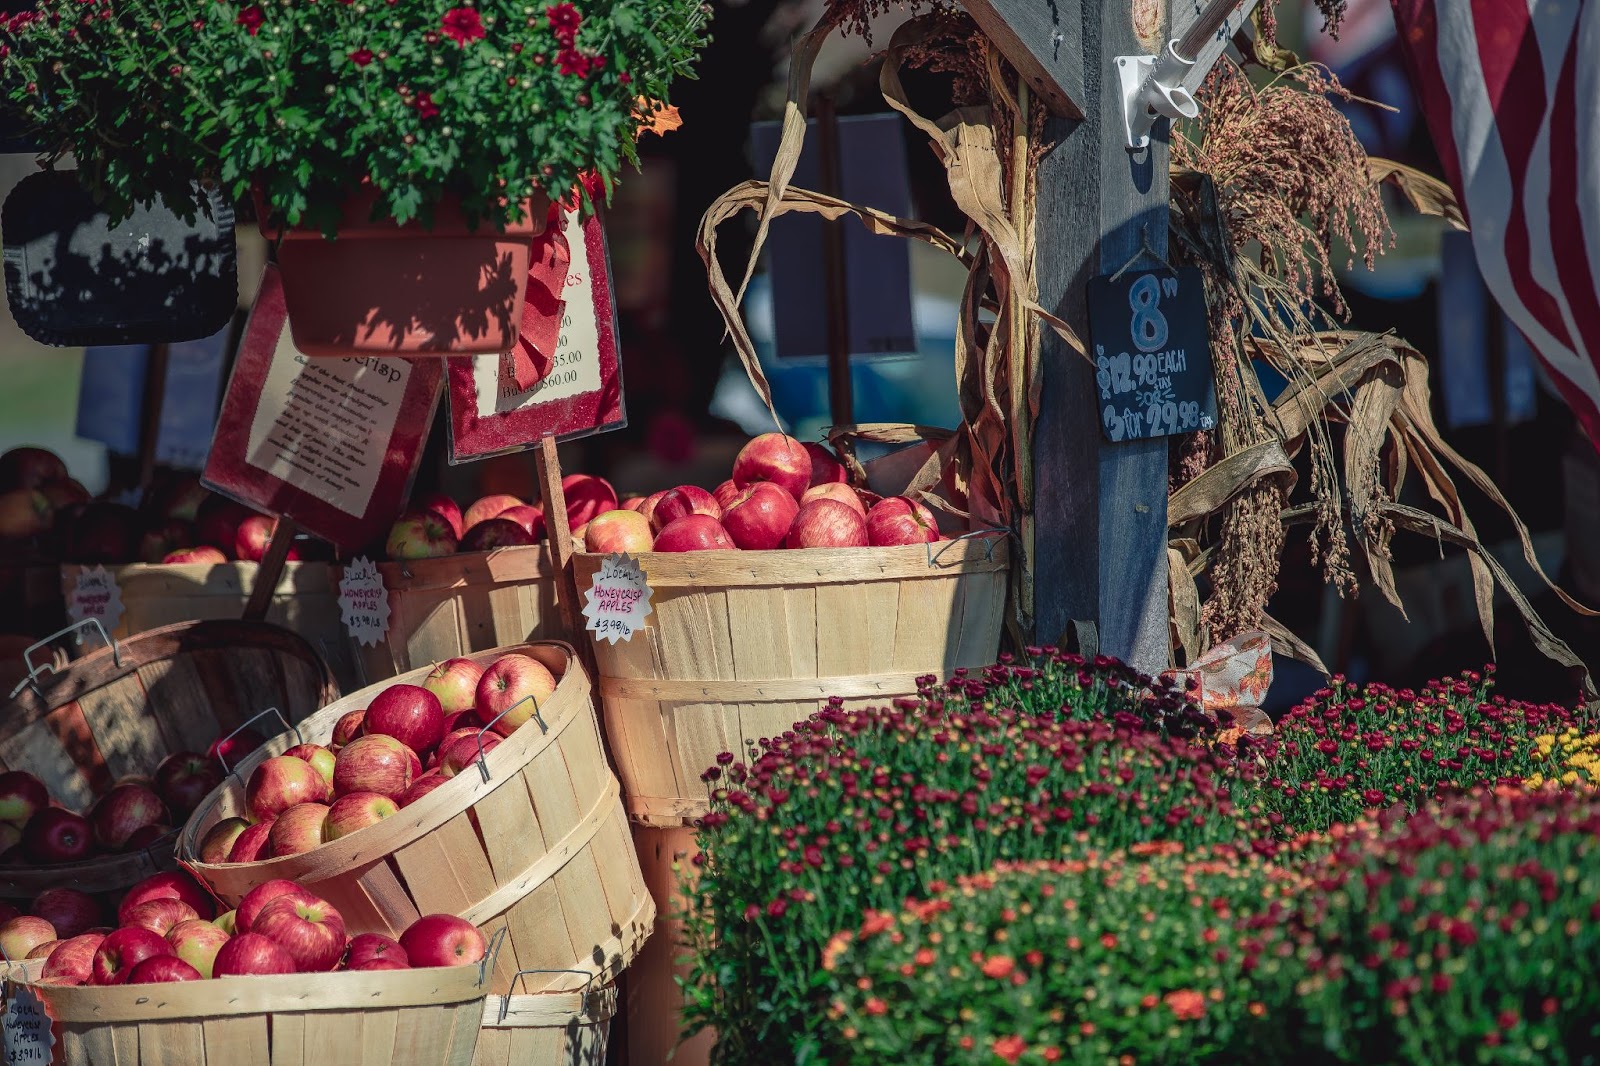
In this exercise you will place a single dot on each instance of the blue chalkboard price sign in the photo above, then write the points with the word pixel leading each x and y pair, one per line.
pixel 1152 354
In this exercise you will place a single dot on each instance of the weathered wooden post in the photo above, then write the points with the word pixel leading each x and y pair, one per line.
pixel 1100 508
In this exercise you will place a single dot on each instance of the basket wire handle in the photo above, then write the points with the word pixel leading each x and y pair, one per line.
pixel 505 1000
pixel 988 556
pixel 483 764
pixel 233 771
pixel 48 667
pixel 492 953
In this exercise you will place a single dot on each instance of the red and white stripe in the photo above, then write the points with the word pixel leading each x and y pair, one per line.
pixel 1511 92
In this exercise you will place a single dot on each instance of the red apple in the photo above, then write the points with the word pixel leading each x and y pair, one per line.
pixel 231 749
pixel 160 915
pixel 726 493
pixel 493 533
pixel 373 763
pixel 357 810
pixel 55 836
pixel 508 683
pixel 421 535
pixel 648 507
pixel 70 912
pixel 618 531
pixel 177 498
pixel 455 683
pixel 837 492
pixel 244 915
pixel 218 842
pixel 825 469
pixel 777 458
pixel 586 496
pixel 309 929
pixel 73 957
pixel 693 533
pixel 681 501
pixel 29 467
pixel 411 714
pixel 23 933
pixel 205 555
pixel 900 520
pixel 147 836
pixel 217 522
pixel 297 830
pixel 171 884
pixel 422 786
pixel 488 507
pixel 252 844
pixel 827 524
pixel 464 751
pixel 185 778
pixel 24 513
pixel 631 503
pixel 43 951
pixel 459 719
pixel 346 729
pixel 280 783
pixel 162 969
pixel 21 797
pixel 759 517
pixel 158 542
pixel 446 508
pixel 378 964
pixel 320 758
pixel 530 518
pixel 197 942
pixel 370 946
pixel 123 950
pixel 250 954
pixel 64 493
pixel 255 533
pixel 443 940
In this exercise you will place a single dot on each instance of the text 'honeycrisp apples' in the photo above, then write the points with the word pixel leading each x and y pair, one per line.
pixel 618 600
pixel 26 1027
pixel 364 602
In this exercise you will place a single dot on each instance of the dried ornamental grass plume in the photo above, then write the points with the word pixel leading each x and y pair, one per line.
pixel 1133 957
pixel 1466 933
pixel 857 15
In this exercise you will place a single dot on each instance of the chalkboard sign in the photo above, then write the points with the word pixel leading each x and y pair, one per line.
pixel 1152 354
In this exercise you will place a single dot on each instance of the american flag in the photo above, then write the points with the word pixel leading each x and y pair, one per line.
pixel 1511 92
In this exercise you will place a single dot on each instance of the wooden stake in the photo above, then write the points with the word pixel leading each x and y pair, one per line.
pixel 270 570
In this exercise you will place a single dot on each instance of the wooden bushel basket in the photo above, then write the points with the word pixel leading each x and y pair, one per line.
pixel 423 1017
pixel 550 1029
pixel 459 604
pixel 121 709
pixel 538 846
pixel 740 645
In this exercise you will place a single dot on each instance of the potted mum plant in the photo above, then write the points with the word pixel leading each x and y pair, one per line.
pixel 406 152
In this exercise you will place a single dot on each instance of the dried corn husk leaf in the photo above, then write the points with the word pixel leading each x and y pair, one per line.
pixel 1183 605
pixel 1425 192
pixel 1207 493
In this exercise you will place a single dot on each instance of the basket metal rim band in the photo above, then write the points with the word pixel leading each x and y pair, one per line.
pixel 772 690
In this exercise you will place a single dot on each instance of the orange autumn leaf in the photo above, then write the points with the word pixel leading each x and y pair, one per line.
pixel 656 117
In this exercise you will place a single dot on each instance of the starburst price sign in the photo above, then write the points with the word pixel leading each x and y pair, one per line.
pixel 364 602
pixel 25 1028
pixel 618 600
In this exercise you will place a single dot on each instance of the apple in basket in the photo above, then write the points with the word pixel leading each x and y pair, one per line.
pixel 320 758
pixel 530 518
pixel 226 921
pixel 24 513
pixel 586 496
pixel 509 683
pixel 411 714
pixel 252 954
pixel 446 508
pixel 218 841
pixel 494 533
pixel 682 501
pixel 455 684
pixel 217 520
pixel 251 845
pixel 487 507
pixel 23 933
pixel 197 942
pixel 839 493
pixel 70 912
pixel 374 763
pixel 54 836
pixel 204 555
pixel 422 786
pixel 693 533
pixel 356 810
pixel 297 830
pixel 260 896
pixel 21 797
pixel 349 726
pixel 900 520
pixel 255 534
pixel 648 507
pixel 421 535
pixel 827 524
pixel 281 782
pixel 160 916
pixel 122 950
pixel 825 469
pixel 464 751
pixel 308 928
pixel 726 493
pixel 368 947
pixel 28 467
pixel 758 518
pixel 443 940
pixel 184 779
pixel 67 492
pixel 618 531
pixel 231 749
pixel 73 958
pixel 777 458
pixel 170 884
pixel 163 969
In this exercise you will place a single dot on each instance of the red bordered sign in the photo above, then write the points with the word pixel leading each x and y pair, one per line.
pixel 578 385
pixel 331 443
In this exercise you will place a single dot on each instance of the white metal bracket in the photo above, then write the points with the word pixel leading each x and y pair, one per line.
pixel 1152 88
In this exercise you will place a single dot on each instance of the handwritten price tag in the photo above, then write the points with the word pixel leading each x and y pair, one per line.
pixel 364 602
pixel 95 594
pixel 25 1027
pixel 618 600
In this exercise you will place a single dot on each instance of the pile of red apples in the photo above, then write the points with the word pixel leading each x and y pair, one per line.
pixel 168 929
pixel 408 741
pixel 436 525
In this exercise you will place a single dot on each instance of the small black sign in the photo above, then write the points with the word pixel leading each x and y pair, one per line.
pixel 1152 354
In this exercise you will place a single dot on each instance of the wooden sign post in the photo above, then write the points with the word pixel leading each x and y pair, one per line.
pixel 1100 529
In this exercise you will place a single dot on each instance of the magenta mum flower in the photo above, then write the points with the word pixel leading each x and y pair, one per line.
pixel 462 24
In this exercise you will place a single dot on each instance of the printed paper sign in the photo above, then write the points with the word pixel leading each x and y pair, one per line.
pixel 580 390
pixel 25 1027
pixel 331 443
pixel 618 600
pixel 94 593
pixel 364 602
pixel 1152 354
